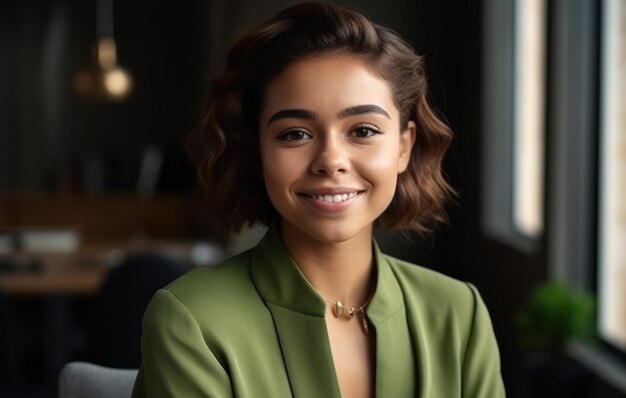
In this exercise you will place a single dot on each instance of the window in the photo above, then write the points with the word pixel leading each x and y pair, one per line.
pixel 612 177
pixel 585 171
pixel 585 158
pixel 528 116
pixel 513 121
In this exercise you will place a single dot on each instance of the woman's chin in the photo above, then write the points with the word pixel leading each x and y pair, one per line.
pixel 327 232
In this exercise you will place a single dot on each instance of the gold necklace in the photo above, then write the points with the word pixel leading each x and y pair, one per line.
pixel 342 311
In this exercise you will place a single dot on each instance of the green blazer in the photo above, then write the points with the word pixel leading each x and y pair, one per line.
pixel 254 327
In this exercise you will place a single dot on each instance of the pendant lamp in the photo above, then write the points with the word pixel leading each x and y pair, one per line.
pixel 104 79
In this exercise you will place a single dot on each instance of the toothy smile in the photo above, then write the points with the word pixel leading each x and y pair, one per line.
pixel 336 198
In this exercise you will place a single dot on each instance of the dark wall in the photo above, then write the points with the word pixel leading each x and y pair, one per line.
pixel 8 104
pixel 52 132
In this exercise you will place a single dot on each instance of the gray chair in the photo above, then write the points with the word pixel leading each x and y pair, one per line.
pixel 87 380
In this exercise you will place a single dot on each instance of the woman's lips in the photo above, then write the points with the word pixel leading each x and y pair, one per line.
pixel 332 203
pixel 334 198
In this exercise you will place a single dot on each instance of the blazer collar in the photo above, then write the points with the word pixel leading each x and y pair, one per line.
pixel 280 282
pixel 278 279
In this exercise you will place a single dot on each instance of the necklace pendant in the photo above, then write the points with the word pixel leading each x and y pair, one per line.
pixel 339 309
pixel 350 312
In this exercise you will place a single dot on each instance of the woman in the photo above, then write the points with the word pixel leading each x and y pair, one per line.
pixel 320 128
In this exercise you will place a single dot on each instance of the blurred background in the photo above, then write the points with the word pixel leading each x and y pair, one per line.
pixel 98 207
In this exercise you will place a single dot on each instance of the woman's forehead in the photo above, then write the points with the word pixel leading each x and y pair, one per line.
pixel 327 83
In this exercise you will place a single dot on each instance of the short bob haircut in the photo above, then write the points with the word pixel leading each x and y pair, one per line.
pixel 225 146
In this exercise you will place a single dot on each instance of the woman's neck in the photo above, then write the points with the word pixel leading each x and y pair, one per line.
pixel 340 271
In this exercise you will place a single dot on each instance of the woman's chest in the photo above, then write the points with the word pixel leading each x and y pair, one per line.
pixel 354 359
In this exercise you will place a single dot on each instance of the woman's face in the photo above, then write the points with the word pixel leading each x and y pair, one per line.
pixel 331 147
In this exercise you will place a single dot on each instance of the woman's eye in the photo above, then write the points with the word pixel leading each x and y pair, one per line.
pixel 294 135
pixel 364 132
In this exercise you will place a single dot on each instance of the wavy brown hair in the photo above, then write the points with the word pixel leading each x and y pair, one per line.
pixel 225 146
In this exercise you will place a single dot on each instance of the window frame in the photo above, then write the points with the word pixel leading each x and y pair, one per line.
pixel 500 127
pixel 605 56
pixel 573 185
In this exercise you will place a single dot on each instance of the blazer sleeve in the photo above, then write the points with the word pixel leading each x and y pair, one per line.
pixel 176 361
pixel 481 363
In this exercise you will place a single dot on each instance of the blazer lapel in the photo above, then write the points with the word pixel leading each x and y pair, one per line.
pixel 298 313
pixel 306 351
pixel 395 363
pixel 395 368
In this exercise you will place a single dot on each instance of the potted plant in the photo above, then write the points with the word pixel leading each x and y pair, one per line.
pixel 554 315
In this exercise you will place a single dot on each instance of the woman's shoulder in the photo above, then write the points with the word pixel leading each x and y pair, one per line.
pixel 426 286
pixel 231 270
pixel 423 276
pixel 451 316
pixel 213 288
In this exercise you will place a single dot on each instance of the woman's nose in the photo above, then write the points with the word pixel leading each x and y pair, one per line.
pixel 330 159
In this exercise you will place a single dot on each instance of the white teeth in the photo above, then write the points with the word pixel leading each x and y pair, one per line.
pixel 335 198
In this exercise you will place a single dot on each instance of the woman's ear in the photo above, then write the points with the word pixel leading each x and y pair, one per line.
pixel 407 140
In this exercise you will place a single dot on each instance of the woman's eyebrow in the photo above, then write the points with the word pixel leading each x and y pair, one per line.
pixel 362 109
pixel 310 115
pixel 293 114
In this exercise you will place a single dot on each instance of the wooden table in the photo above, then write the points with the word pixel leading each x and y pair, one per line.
pixel 65 274
pixel 61 277
pixel 82 272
